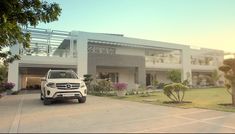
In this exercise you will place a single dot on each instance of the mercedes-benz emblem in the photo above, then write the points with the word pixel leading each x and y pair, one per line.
pixel 68 85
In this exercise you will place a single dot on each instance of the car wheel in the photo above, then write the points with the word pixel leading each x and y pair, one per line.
pixel 46 101
pixel 41 97
pixel 82 99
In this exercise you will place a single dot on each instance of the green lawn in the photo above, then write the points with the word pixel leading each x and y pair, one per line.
pixel 200 98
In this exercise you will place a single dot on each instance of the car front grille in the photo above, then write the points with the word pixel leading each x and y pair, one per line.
pixel 67 86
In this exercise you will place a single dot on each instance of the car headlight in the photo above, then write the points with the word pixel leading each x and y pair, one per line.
pixel 83 85
pixel 51 85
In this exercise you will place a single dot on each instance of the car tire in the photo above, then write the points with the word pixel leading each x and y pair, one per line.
pixel 41 97
pixel 82 99
pixel 46 101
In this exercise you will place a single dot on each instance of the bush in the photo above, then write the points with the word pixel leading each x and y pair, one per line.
pixel 161 85
pixel 120 86
pixel 102 87
pixel 131 92
pixel 155 83
pixel 8 86
pixel 175 92
pixel 1 90
pixel 88 79
pixel 185 82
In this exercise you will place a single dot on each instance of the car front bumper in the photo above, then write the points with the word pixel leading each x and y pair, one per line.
pixel 56 93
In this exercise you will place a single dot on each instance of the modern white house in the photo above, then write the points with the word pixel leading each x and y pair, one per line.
pixel 122 59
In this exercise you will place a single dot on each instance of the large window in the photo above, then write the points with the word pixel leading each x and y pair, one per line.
pixel 62 75
pixel 163 56
pixel 203 60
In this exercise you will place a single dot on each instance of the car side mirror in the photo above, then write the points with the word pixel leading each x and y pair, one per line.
pixel 82 78
pixel 43 79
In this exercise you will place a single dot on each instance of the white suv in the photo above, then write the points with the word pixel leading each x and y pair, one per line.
pixel 62 84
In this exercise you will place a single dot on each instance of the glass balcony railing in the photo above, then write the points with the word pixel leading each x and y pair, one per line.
pixel 50 43
pixel 162 56
pixel 205 61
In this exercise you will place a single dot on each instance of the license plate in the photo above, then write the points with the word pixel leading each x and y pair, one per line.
pixel 67 94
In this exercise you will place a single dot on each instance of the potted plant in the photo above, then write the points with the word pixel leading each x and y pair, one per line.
pixel 120 88
pixel 8 86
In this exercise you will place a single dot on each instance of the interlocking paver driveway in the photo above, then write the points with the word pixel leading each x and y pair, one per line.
pixel 26 113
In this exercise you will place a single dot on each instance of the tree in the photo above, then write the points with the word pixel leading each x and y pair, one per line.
pixel 17 14
pixel 3 73
pixel 174 76
pixel 215 76
pixel 228 68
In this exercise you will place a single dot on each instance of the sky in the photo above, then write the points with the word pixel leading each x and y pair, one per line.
pixel 200 23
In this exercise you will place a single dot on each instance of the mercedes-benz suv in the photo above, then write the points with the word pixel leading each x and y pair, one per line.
pixel 62 84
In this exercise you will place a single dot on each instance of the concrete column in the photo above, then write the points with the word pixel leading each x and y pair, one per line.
pixel 186 65
pixel 141 76
pixel 13 74
pixel 82 56
pixel 13 69
pixel 71 49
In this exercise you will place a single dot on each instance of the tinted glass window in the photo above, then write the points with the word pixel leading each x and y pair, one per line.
pixel 61 75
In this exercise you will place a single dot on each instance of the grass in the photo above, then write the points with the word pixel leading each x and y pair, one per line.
pixel 208 98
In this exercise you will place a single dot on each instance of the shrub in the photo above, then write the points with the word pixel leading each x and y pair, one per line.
pixel 155 83
pixel 161 85
pixel 120 86
pixel 1 90
pixel 3 73
pixel 8 85
pixel 175 91
pixel 88 79
pixel 185 82
pixel 102 87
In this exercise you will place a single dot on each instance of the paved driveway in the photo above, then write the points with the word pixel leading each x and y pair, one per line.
pixel 26 113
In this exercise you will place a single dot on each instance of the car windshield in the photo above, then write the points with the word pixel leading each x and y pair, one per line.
pixel 62 75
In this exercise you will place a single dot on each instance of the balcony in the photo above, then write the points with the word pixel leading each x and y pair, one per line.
pixel 162 62
pixel 50 43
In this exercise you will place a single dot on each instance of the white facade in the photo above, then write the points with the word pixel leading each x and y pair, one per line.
pixel 50 50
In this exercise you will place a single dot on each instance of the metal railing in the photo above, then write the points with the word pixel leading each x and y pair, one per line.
pixel 46 42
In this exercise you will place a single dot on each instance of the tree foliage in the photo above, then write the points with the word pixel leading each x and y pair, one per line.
pixel 215 76
pixel 174 76
pixel 3 74
pixel 229 73
pixel 18 14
